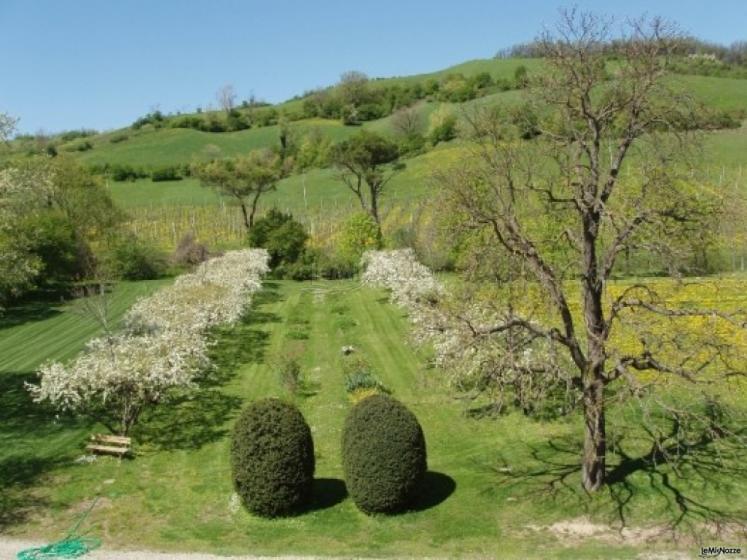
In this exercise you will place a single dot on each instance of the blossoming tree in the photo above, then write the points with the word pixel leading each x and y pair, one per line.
pixel 163 347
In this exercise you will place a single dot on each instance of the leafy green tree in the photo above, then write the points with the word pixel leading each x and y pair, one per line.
pixel 245 179
pixel 360 234
pixel 51 212
pixel 367 162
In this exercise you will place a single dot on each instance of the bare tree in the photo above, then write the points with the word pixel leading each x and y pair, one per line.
pixel 353 87
pixel 93 302
pixel 602 179
pixel 226 97
pixel 7 126
pixel 407 122
pixel 367 162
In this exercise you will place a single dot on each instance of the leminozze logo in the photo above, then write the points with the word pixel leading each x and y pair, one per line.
pixel 713 551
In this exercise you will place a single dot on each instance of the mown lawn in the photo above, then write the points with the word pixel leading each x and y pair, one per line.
pixel 176 494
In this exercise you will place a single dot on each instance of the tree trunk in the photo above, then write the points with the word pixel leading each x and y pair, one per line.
pixel 595 444
pixel 374 210
pixel 255 203
pixel 595 441
pixel 247 222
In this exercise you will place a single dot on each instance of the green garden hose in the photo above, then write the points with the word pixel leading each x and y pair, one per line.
pixel 72 546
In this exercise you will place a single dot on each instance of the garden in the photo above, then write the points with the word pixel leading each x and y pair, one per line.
pixel 542 357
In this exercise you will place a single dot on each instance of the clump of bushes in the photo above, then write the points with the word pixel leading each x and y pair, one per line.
pixel 126 172
pixel 272 458
pixel 285 240
pixel 167 173
pixel 443 126
pixel 155 118
pixel 384 455
pixel 82 146
pixel 131 259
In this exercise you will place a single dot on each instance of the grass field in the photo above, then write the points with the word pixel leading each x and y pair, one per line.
pixel 176 494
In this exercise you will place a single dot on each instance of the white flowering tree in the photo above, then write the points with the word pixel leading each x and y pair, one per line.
pixel 526 371
pixel 163 347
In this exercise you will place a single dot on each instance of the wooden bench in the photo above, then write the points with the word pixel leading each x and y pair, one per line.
pixel 110 445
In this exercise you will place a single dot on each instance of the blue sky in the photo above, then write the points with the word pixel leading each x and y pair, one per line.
pixel 100 64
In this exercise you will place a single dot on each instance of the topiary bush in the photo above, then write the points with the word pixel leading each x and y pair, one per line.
pixel 272 458
pixel 383 455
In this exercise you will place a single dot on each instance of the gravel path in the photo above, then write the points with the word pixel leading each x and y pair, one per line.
pixel 9 548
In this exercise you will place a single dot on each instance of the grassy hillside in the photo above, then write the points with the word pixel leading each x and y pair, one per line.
pixel 471 507
pixel 170 146
pixel 723 149
pixel 150 147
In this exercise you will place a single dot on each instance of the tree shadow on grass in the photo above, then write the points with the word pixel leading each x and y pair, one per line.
pixel 436 489
pixel 27 431
pixel 189 422
pixel 21 418
pixel 326 493
pixel 17 475
pixel 675 478
pixel 27 312
pixel 199 417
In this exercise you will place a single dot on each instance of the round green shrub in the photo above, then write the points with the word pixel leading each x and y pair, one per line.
pixel 383 455
pixel 272 458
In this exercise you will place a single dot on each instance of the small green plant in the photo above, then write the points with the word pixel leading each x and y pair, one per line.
pixel 363 379
pixel 290 374
pixel 360 380
pixel 297 334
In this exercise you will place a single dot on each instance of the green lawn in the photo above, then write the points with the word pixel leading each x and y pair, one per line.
pixel 176 493
pixel 33 440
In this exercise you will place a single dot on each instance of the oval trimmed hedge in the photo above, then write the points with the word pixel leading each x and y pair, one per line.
pixel 272 458
pixel 383 455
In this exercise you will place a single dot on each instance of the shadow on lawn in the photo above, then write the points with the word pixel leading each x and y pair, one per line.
pixel 38 307
pixel 21 419
pixel 200 417
pixel 26 430
pixel 17 475
pixel 675 478
pixel 437 487
pixel 326 493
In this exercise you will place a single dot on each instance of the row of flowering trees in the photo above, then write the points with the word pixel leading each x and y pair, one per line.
pixel 457 323
pixel 163 346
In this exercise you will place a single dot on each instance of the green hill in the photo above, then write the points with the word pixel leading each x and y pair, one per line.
pixel 164 210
